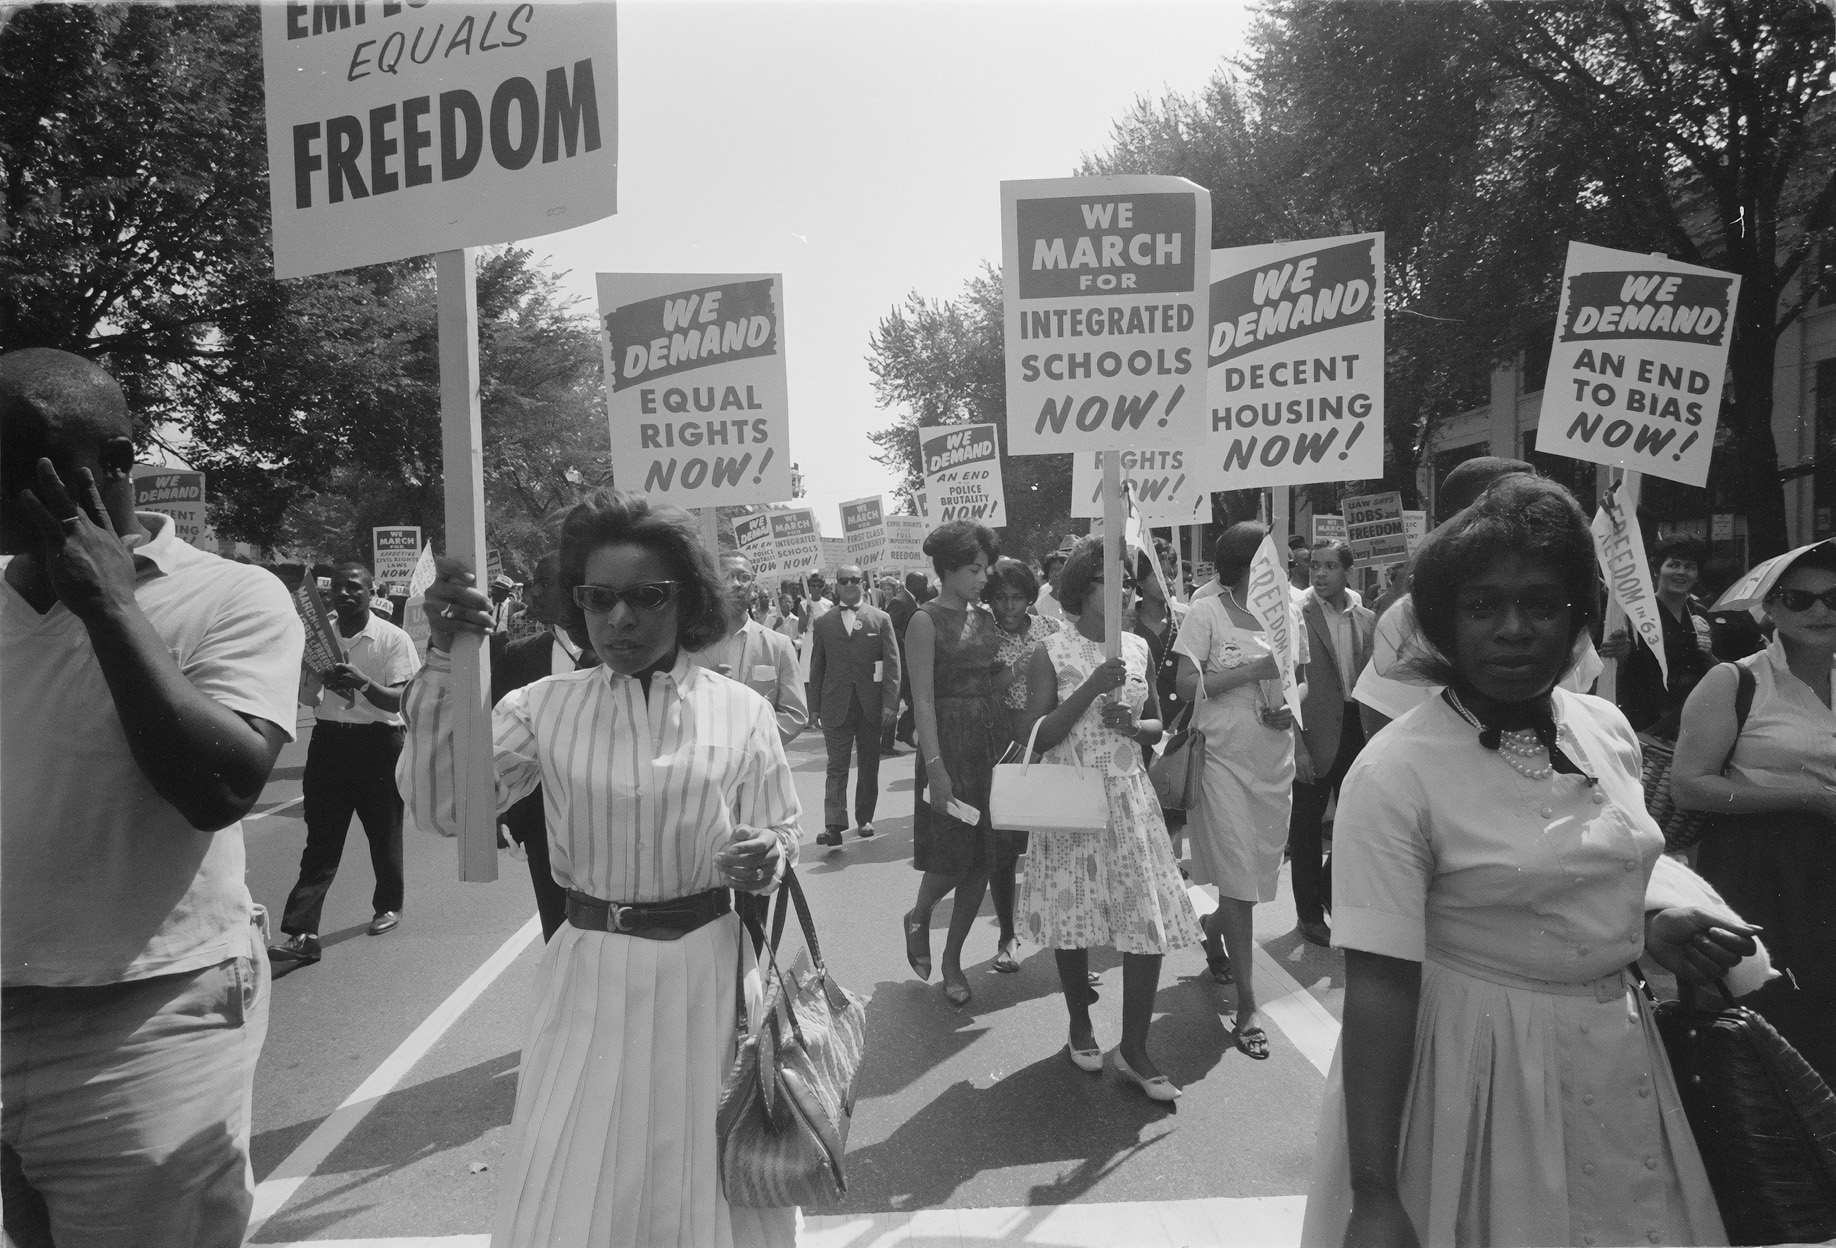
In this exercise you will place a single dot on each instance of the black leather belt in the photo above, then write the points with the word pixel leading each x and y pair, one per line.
pixel 661 920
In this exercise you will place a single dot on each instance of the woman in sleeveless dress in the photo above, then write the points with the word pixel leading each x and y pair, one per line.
pixel 952 646
pixel 1121 887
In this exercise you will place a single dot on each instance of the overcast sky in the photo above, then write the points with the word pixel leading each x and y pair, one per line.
pixel 858 149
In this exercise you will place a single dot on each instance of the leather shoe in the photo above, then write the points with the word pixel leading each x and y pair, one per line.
pixel 299 949
pixel 1315 933
pixel 386 921
pixel 832 836
pixel 864 831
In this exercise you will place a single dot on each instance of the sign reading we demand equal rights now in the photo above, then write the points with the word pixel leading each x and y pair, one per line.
pixel 400 130
pixel 1635 376
pixel 695 386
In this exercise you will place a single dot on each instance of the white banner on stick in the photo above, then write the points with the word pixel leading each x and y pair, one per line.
pixel 796 540
pixel 1106 285
pixel 962 473
pixel 864 530
pixel 695 387
pixel 397 131
pixel 1160 484
pixel 1376 528
pixel 1620 546
pixel 1635 376
pixel 1296 363
pixel 1269 601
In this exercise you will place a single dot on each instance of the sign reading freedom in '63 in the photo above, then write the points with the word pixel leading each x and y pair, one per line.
pixel 1641 347
pixel 1296 363
pixel 399 130
pixel 1105 291
pixel 695 388
pixel 962 473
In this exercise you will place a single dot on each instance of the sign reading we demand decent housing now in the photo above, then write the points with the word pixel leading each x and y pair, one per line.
pixel 403 129
pixel 695 386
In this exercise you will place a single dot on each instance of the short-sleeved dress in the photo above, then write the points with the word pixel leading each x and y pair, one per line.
pixel 1541 1107
pixel 1015 653
pixel 973 730
pixel 1239 826
pixel 1121 888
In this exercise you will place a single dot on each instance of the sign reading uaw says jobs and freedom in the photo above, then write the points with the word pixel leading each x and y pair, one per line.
pixel 695 386
pixel 1106 288
pixel 400 130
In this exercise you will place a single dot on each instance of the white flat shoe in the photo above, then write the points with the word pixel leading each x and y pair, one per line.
pixel 1090 1060
pixel 1159 1088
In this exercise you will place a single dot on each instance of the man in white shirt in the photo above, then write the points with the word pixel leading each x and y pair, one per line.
pixel 1046 603
pixel 350 766
pixel 760 658
pixel 854 670
pixel 148 688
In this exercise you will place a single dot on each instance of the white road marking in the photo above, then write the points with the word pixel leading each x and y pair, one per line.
pixel 279 1187
pixel 273 810
pixel 1308 1024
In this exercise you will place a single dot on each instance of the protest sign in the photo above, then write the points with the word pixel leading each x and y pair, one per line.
pixel 323 649
pixel 1375 528
pixel 395 553
pixel 494 565
pixel 752 538
pixel 399 131
pixel 1635 376
pixel 1158 484
pixel 905 543
pixel 695 389
pixel 423 574
pixel 1415 528
pixel 923 504
pixel 1268 600
pixel 1295 358
pixel 962 474
pixel 179 495
pixel 834 555
pixel 795 540
pixel 1619 544
pixel 864 530
pixel 1328 528
pixel 1105 291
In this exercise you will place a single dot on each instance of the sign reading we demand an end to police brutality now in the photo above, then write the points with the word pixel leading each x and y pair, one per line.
pixel 1105 286
pixel 695 386
pixel 962 474
pixel 399 130
pixel 1296 363
pixel 1635 376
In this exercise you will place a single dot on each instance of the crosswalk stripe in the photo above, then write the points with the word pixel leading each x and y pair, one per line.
pixel 1309 1025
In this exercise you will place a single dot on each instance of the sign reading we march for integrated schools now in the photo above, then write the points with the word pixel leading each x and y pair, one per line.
pixel 962 474
pixel 399 130
pixel 1635 376
pixel 1163 485
pixel 1296 363
pixel 695 388
pixel 1105 284
pixel 795 540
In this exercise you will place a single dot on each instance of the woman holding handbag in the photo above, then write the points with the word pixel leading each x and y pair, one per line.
pixel 1119 887
pixel 667 789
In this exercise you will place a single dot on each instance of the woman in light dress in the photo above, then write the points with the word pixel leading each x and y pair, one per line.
pixel 666 786
pixel 1120 887
pixel 1239 826
pixel 1499 1078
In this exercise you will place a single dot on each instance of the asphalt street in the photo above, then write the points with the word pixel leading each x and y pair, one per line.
pixel 970 1126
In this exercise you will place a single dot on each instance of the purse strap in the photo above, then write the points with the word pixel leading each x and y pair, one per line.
pixel 767 950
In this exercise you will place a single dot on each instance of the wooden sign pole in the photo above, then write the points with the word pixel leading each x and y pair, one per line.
pixel 1115 515
pixel 710 530
pixel 462 447
pixel 1608 686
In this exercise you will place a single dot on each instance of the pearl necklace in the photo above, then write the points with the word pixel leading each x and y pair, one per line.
pixel 1516 747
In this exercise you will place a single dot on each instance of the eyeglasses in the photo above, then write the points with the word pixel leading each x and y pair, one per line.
pixel 600 599
pixel 1540 608
pixel 1804 599
pixel 739 576
pixel 847 580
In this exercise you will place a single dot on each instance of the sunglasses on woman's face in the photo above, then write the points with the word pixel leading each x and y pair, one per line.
pixel 1804 599
pixel 600 599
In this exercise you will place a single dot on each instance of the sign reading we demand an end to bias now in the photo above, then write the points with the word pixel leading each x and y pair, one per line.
pixel 962 474
pixel 1641 350
pixel 1105 293
pixel 1296 363
pixel 398 130
pixel 695 385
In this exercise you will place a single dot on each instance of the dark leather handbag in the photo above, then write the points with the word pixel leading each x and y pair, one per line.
pixel 1177 772
pixel 1764 1121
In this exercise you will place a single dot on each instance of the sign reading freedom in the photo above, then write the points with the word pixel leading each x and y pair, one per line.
pixel 401 130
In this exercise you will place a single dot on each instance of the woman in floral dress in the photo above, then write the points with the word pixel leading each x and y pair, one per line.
pixel 1121 887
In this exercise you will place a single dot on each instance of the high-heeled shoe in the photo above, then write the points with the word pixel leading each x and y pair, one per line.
pixel 956 992
pixel 1089 1060
pixel 918 945
pixel 1159 1088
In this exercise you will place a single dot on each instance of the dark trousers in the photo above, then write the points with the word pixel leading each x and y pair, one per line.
pixel 1306 821
pixel 861 734
pixel 350 768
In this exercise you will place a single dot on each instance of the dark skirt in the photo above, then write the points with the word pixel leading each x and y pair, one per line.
pixel 972 734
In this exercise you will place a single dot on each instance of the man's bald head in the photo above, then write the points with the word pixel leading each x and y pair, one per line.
pixel 61 407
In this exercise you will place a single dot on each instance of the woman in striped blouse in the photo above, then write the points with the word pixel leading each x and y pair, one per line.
pixel 666 786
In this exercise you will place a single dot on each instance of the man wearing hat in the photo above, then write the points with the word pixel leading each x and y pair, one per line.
pixel 504 607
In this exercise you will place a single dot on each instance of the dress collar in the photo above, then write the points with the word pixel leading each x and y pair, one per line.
pixel 679 678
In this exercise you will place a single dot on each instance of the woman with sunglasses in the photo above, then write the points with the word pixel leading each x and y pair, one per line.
pixel 1771 783
pixel 1122 887
pixel 667 790
pixel 1499 1079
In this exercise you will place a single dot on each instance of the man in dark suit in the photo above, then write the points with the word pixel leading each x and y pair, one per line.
pixel 901 609
pixel 522 662
pixel 854 672
pixel 1339 635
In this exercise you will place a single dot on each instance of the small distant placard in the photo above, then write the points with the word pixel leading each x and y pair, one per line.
pixel 1375 527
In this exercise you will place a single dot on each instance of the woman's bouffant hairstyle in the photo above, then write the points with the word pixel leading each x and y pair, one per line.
pixel 618 517
pixel 958 544
pixel 1235 549
pixel 1517 515
pixel 1080 574
pixel 1010 574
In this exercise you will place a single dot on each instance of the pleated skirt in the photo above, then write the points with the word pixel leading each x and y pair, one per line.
pixel 1532 1119
pixel 612 1144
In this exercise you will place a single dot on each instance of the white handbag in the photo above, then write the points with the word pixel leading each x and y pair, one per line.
pixel 1047 797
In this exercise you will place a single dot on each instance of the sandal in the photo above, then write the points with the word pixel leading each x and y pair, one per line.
pixel 918 945
pixel 1004 961
pixel 1218 965
pixel 1252 1041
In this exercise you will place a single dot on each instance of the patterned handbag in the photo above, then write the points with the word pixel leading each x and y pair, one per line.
pixel 782 1123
